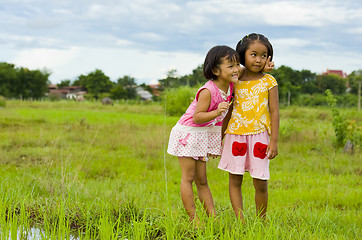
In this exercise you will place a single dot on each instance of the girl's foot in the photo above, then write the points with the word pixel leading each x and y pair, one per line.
pixel 197 223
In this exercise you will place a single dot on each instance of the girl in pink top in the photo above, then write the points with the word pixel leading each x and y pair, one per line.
pixel 197 134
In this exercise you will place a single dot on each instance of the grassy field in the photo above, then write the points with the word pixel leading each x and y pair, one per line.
pixel 75 170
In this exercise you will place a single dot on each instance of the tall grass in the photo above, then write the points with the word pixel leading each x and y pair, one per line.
pixel 86 171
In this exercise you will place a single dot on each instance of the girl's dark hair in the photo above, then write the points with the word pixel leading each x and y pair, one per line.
pixel 244 43
pixel 214 58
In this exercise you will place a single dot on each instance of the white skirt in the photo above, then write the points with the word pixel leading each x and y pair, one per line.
pixel 186 141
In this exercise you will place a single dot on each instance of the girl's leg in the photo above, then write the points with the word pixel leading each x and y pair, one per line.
pixel 203 189
pixel 187 177
pixel 261 196
pixel 236 197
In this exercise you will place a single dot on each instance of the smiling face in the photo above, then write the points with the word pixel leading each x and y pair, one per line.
pixel 228 70
pixel 255 57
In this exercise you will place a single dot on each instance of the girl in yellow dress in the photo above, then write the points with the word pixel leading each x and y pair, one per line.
pixel 251 136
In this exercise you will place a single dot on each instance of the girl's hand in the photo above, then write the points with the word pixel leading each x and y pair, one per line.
pixel 269 65
pixel 222 107
pixel 212 155
pixel 272 150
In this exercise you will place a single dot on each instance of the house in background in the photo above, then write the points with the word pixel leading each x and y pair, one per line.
pixel 155 89
pixel 52 87
pixel 74 92
pixel 78 92
pixel 68 92
pixel 144 95
pixel 336 72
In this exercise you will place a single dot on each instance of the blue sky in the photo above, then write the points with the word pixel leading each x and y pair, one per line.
pixel 146 39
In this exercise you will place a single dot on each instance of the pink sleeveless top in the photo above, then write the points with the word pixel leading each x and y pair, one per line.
pixel 216 98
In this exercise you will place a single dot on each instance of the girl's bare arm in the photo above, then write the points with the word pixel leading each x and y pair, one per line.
pixel 274 116
pixel 226 121
pixel 201 115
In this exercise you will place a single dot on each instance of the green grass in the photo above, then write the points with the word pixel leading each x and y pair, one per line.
pixel 91 171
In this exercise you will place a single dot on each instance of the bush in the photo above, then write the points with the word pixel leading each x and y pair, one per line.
pixel 288 129
pixel 2 102
pixel 339 123
pixel 347 100
pixel 316 99
pixel 103 95
pixel 178 100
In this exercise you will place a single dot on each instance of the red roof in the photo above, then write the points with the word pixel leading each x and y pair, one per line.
pixel 337 72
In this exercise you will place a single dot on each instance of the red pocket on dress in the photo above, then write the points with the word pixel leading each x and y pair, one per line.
pixel 260 150
pixel 239 149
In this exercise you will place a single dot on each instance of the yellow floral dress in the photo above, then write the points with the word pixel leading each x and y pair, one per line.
pixel 250 114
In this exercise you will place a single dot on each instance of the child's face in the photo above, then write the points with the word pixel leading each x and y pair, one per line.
pixel 256 56
pixel 228 71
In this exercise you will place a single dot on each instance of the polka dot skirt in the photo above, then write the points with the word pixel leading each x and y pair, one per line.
pixel 194 141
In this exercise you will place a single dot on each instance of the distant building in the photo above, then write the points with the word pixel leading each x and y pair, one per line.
pixel 68 92
pixel 78 92
pixel 336 72
pixel 144 95
pixel 52 87
pixel 155 89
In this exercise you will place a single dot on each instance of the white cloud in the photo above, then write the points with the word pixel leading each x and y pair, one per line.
pixel 146 38
pixel 290 42
pixel 357 31
pixel 20 42
pixel 147 66
pixel 149 36
pixel 316 60
pixel 41 22
pixel 39 58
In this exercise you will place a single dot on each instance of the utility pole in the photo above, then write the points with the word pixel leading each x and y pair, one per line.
pixel 359 95
pixel 288 98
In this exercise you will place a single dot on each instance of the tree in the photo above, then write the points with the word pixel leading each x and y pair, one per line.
pixel 80 81
pixel 8 76
pixel 126 81
pixel 96 83
pixel 64 83
pixel 39 83
pixel 289 82
pixel 118 92
pixel 353 79
pixel 21 88
pixel 129 84
pixel 197 77
pixel 146 87
pixel 171 81
pixel 309 85
pixel 333 82
pixel 22 82
pixel 30 84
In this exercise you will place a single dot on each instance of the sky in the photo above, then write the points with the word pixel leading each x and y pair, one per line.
pixel 146 39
